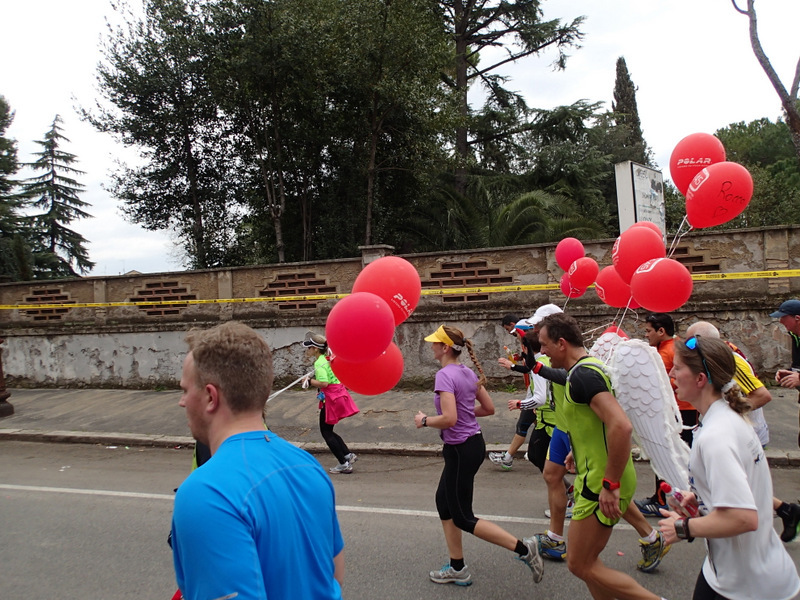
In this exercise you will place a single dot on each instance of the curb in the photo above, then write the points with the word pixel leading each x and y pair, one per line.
pixel 775 458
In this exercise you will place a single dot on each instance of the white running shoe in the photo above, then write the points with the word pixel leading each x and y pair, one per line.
pixel 533 558
pixel 448 574
pixel 499 458
pixel 344 467
pixel 570 504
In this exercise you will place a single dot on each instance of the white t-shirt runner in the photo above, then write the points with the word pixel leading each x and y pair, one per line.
pixel 728 469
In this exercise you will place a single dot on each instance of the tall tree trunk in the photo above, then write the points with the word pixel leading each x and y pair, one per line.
pixel 788 100
pixel 462 143
pixel 371 170
pixel 198 230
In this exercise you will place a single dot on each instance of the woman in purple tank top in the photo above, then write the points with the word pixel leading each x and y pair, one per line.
pixel 457 389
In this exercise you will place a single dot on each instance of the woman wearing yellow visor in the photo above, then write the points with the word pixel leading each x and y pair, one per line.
pixel 456 390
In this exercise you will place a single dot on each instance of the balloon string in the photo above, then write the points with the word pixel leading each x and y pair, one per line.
pixel 678 235
pixel 589 332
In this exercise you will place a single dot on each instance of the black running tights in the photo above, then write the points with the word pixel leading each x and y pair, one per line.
pixel 456 485
pixel 334 440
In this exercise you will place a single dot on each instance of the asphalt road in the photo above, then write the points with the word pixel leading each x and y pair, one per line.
pixel 90 522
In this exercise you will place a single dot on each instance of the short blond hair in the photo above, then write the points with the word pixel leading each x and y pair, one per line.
pixel 237 360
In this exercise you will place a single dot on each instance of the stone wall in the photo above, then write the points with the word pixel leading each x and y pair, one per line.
pixel 92 336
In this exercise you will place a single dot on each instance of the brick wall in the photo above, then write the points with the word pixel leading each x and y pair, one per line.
pixel 93 336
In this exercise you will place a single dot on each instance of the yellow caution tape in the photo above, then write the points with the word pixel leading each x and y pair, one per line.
pixel 489 289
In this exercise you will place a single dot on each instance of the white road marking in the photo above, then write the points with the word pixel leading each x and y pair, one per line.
pixel 55 490
pixel 400 512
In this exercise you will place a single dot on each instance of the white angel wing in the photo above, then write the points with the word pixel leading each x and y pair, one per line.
pixel 642 387
pixel 603 347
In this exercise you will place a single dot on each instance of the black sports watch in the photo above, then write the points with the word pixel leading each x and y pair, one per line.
pixel 425 421
pixel 682 529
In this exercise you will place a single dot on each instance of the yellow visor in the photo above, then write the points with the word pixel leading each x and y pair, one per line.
pixel 440 336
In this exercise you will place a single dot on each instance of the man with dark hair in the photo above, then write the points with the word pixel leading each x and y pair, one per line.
pixel 600 433
pixel 789 315
pixel 258 520
pixel 659 329
pixel 509 322
pixel 515 361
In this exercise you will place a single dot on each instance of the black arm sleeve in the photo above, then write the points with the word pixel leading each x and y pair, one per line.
pixel 521 369
pixel 558 376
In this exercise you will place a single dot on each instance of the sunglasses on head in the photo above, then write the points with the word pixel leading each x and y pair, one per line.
pixel 693 343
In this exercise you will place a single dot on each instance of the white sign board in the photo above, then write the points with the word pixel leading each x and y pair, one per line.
pixel 640 195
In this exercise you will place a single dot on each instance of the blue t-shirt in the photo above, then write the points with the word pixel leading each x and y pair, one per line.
pixel 462 382
pixel 258 520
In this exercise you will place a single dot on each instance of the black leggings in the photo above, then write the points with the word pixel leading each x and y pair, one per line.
pixel 703 591
pixel 456 485
pixel 538 446
pixel 334 441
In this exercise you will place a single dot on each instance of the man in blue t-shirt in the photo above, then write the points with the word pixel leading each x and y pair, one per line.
pixel 258 520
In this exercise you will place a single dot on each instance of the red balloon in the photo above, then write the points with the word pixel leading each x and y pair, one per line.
pixel 611 289
pixel 395 280
pixel 583 272
pixel 717 194
pixel 568 251
pixel 568 289
pixel 649 225
pixel 633 247
pixel 374 376
pixel 693 153
pixel 617 330
pixel 661 285
pixel 359 327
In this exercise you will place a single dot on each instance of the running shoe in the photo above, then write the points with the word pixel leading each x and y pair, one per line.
pixel 499 458
pixel 790 523
pixel 570 504
pixel 351 458
pixel 652 553
pixel 344 467
pixel 650 507
pixel 533 558
pixel 448 574
pixel 551 548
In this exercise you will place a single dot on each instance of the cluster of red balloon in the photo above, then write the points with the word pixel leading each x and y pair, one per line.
pixel 360 327
pixel 641 275
pixel 580 270
pixel 716 190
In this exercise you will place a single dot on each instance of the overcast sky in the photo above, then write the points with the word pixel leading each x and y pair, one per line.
pixel 690 60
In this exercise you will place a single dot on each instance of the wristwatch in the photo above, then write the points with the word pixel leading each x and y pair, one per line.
pixel 425 421
pixel 610 485
pixel 682 529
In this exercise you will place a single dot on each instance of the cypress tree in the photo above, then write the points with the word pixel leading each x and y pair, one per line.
pixel 626 118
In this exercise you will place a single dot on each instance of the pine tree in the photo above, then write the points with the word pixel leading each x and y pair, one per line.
pixel 56 248
pixel 626 117
pixel 14 254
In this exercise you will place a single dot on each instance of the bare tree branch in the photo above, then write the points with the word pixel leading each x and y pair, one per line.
pixel 744 12
pixel 788 102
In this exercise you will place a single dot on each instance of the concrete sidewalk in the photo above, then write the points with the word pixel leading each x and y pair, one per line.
pixel 384 425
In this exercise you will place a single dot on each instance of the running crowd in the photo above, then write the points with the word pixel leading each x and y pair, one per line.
pixel 243 527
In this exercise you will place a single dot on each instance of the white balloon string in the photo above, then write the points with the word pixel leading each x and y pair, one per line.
pixel 677 237
pixel 294 383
